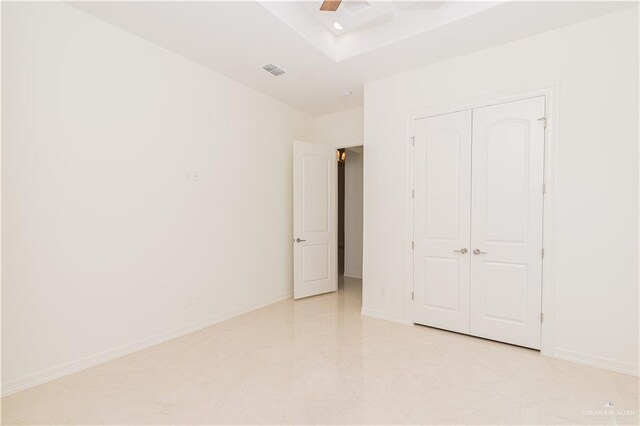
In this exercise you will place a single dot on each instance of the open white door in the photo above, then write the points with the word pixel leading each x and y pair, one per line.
pixel 315 268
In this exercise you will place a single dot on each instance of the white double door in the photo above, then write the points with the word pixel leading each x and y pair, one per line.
pixel 478 210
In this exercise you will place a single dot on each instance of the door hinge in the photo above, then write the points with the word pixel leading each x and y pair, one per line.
pixel 413 141
pixel 413 193
pixel 412 244
pixel 541 317
pixel 544 188
pixel 411 295
pixel 542 253
pixel 544 121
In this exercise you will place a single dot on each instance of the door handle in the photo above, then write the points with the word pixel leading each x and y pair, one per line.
pixel 462 251
pixel 298 240
pixel 477 252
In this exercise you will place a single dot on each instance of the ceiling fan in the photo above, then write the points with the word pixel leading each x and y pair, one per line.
pixel 330 5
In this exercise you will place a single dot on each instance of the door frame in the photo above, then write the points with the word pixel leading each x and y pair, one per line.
pixel 550 91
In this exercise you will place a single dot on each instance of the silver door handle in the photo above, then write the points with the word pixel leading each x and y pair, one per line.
pixel 477 252
pixel 298 240
pixel 462 251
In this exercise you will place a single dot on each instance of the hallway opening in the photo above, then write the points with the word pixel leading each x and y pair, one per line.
pixel 350 212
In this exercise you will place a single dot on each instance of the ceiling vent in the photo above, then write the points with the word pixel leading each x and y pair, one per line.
pixel 273 69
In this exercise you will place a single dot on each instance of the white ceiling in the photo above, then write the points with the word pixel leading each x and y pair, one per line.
pixel 369 25
pixel 237 38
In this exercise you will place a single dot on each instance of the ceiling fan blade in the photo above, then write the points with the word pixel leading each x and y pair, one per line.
pixel 330 5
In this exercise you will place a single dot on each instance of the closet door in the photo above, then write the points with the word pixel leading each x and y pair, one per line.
pixel 506 224
pixel 442 183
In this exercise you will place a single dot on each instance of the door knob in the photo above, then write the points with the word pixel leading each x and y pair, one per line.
pixel 462 251
pixel 477 252
pixel 298 240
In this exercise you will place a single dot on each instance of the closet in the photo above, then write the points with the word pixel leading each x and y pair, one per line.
pixel 478 211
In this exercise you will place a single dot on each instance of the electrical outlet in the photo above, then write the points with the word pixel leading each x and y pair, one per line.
pixel 193 300
pixel 192 176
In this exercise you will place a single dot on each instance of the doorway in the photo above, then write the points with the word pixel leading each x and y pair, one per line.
pixel 350 216
pixel 318 203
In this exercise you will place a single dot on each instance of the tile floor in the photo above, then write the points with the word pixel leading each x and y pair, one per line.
pixel 318 361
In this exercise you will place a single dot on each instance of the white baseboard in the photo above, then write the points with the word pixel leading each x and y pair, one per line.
pixel 567 355
pixel 111 354
pixel 352 275
pixel 596 361
pixel 383 315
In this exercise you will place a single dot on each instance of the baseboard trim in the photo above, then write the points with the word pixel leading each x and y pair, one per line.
pixel 111 354
pixel 596 361
pixel 383 315
pixel 352 275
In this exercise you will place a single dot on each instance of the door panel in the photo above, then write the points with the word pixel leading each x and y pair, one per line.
pixel 506 222
pixel 442 181
pixel 506 180
pixel 443 278
pixel 315 193
pixel 505 282
pixel 315 261
pixel 314 220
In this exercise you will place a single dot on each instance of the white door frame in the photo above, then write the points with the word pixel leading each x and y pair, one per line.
pixel 349 145
pixel 550 91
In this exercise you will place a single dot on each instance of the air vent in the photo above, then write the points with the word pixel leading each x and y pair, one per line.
pixel 273 69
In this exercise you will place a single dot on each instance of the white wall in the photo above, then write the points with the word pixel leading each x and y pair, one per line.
pixel 596 65
pixel 104 240
pixel 353 192
pixel 344 128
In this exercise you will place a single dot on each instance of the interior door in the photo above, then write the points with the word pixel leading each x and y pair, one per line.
pixel 314 220
pixel 442 184
pixel 506 222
